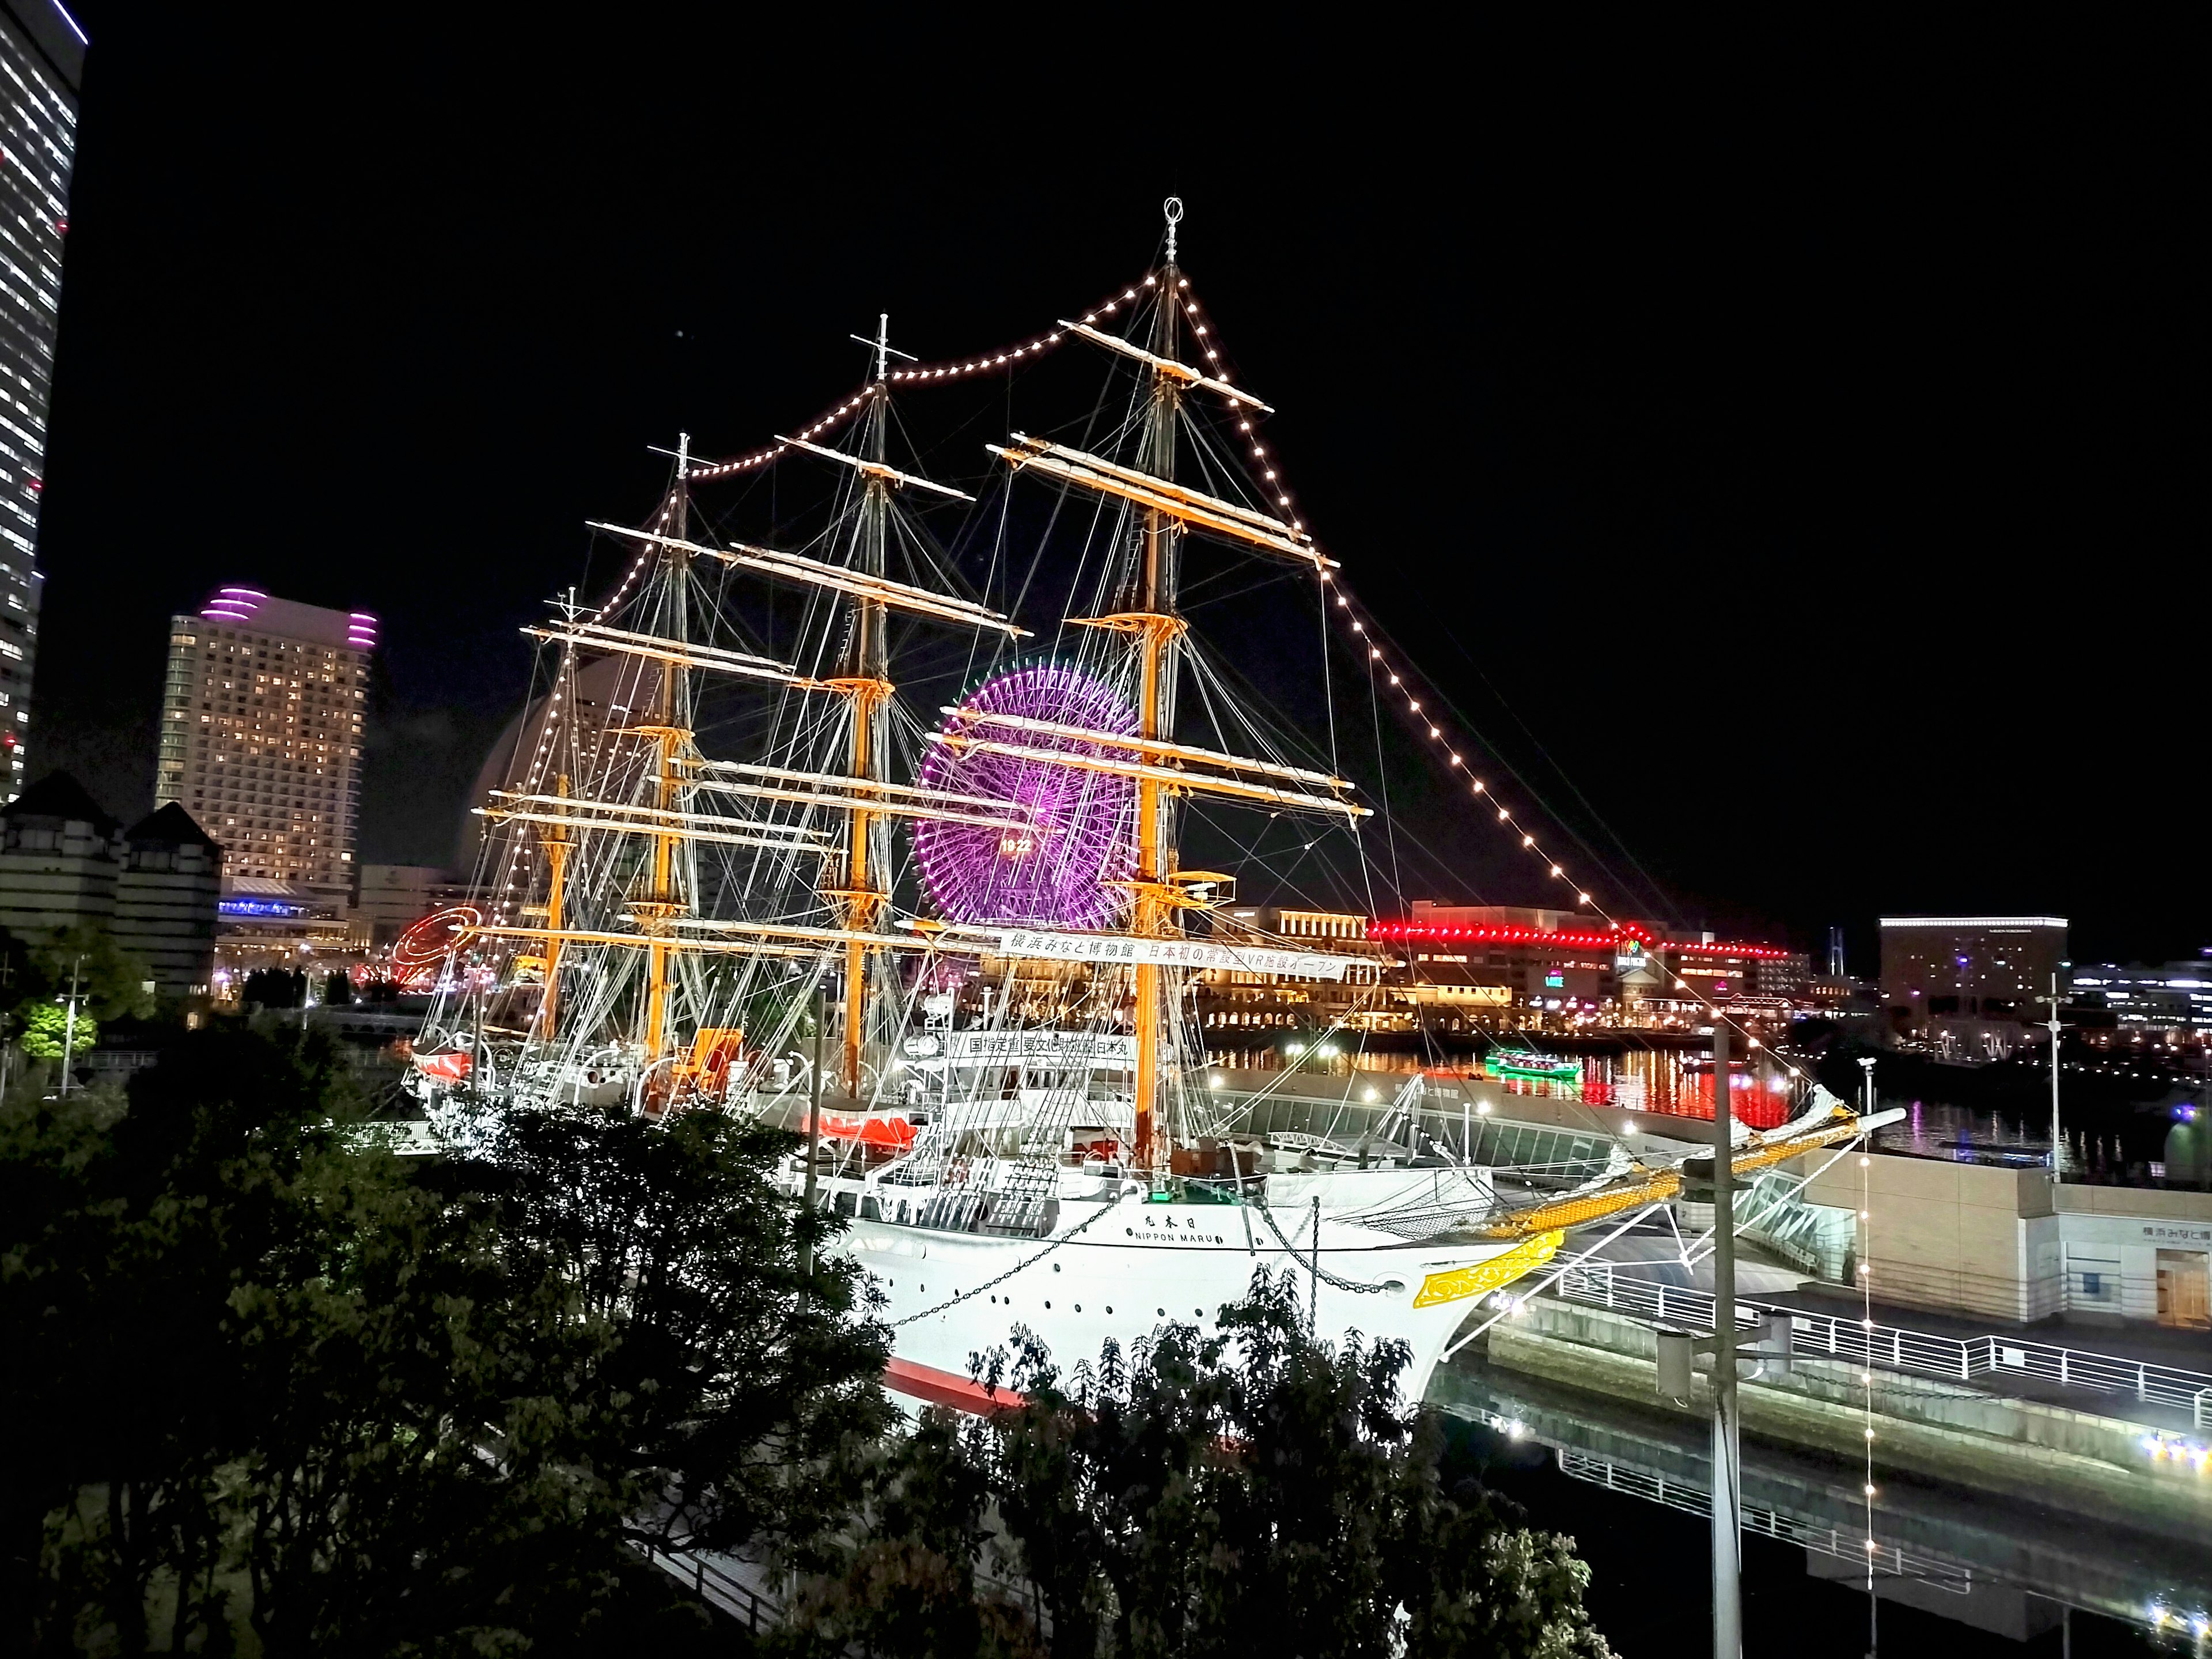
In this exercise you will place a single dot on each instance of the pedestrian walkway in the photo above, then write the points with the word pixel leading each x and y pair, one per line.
pixel 737 1588
pixel 2159 1379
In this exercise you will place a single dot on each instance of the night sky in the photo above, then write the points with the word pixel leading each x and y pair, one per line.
pixel 1795 489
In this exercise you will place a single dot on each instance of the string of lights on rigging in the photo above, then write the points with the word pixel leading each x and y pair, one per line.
pixel 989 362
pixel 518 847
pixel 1349 612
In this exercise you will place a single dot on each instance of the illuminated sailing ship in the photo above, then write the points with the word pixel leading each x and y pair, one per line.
pixel 1017 1115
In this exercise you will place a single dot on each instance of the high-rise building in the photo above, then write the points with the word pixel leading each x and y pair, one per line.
pixel 1970 980
pixel 261 724
pixel 41 62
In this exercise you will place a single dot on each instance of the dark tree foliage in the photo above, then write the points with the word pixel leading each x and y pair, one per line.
pixel 275 987
pixel 282 1381
pixel 742 1382
pixel 272 1383
pixel 111 982
pixel 906 1583
pixel 1251 1491
pixel 127 1231
pixel 337 989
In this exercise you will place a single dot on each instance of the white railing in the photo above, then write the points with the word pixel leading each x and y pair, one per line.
pixel 1895 1348
pixel 711 1582
pixel 1888 1561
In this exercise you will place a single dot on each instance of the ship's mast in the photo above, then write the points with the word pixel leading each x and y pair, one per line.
pixel 1158 628
pixel 662 901
pixel 865 683
pixel 554 838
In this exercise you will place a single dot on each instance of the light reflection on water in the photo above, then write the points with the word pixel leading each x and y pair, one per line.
pixel 1665 1081
pixel 1615 1473
pixel 1934 1129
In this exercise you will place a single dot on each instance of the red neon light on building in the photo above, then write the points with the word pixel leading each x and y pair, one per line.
pixel 1501 933
pixel 1494 935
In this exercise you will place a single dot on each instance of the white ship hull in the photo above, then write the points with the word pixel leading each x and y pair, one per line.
pixel 1119 1267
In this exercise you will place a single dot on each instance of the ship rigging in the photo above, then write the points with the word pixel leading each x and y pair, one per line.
pixel 752 816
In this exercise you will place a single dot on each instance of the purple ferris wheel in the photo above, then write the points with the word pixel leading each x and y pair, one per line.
pixel 1062 871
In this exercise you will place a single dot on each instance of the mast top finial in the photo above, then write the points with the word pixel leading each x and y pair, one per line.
pixel 1173 209
pixel 880 344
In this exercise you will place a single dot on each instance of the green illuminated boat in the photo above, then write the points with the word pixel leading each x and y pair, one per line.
pixel 1527 1063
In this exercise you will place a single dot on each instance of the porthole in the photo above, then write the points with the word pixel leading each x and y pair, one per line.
pixel 1055 1267
pixel 1162 1312
pixel 1079 1307
pixel 1047 1304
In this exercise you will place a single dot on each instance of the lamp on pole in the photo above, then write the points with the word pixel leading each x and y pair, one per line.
pixel 2056 1143
pixel 69 1026
pixel 1728 1455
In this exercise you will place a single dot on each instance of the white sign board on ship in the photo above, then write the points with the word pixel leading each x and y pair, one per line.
pixel 1173 953
pixel 1039 1049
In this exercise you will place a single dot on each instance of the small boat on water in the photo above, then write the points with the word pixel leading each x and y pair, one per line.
pixel 1530 1066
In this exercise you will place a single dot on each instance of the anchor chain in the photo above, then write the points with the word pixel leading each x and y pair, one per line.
pixel 1020 1266
pixel 1268 1215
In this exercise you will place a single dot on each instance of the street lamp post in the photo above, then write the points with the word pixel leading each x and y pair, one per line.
pixel 2056 1143
pixel 1727 1464
pixel 69 1026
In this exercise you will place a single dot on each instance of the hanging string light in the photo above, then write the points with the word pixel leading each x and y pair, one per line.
pixel 1337 601
pixel 990 362
pixel 512 873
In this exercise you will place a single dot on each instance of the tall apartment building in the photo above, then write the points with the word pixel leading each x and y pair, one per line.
pixel 261 724
pixel 41 62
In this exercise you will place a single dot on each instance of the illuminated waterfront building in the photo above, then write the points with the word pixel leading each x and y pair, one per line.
pixel 1229 1001
pixel 2172 1000
pixel 1495 968
pixel 267 923
pixel 1538 967
pixel 41 59
pixel 1969 981
pixel 261 733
